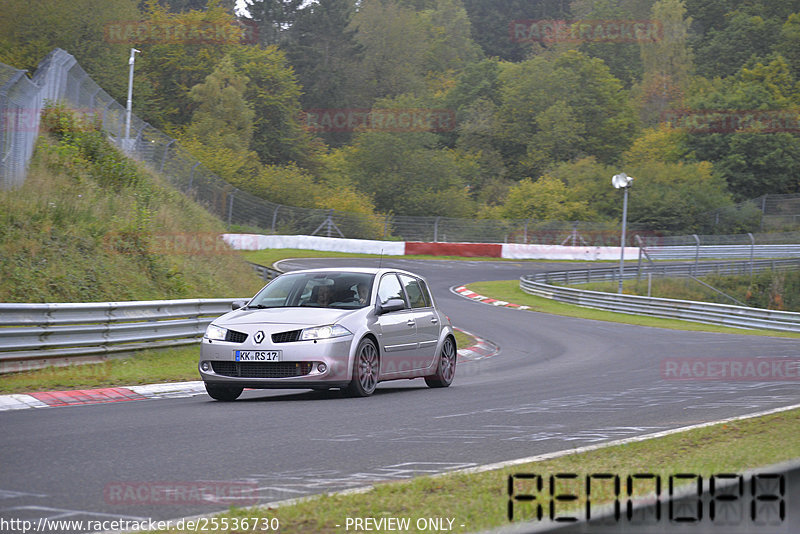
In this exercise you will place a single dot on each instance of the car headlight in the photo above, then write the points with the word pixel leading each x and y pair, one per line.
pixel 324 332
pixel 215 333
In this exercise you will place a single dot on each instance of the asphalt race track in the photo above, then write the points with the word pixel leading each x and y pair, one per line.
pixel 557 383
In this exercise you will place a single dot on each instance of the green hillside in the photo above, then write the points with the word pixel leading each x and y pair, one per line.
pixel 91 225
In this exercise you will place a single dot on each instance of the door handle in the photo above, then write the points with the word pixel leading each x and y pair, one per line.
pixel 410 322
pixel 434 320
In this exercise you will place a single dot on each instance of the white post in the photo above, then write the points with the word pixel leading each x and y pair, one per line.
pixel 622 181
pixel 126 143
pixel 622 240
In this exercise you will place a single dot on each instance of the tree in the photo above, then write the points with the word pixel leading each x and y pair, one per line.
pixel 667 62
pixel 451 46
pixel 221 129
pixel 394 44
pixel 491 19
pixel 177 6
pixel 789 43
pixel 743 36
pixel 752 162
pixel 173 67
pixel 325 57
pixel 662 143
pixel 274 94
pixel 222 112
pixel 406 174
pixel 30 30
pixel 545 199
pixel 584 93
pixel 274 19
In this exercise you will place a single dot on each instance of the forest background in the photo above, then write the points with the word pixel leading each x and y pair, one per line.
pixel 533 126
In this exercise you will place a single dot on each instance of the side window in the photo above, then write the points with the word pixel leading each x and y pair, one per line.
pixel 390 288
pixel 426 293
pixel 416 295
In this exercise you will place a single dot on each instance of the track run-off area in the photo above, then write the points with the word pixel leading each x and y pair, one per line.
pixel 556 383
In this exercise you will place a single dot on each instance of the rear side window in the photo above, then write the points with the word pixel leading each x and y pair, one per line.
pixel 417 296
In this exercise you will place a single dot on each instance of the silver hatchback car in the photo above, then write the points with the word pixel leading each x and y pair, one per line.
pixel 330 328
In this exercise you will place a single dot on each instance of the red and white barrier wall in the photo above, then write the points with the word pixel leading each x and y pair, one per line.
pixel 401 248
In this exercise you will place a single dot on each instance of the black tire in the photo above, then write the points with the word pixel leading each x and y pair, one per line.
pixel 365 370
pixel 223 393
pixel 445 367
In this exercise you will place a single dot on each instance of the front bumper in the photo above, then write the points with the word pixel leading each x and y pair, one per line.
pixel 304 364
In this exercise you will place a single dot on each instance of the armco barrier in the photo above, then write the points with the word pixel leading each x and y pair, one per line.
pixel 702 312
pixel 37 335
pixel 683 270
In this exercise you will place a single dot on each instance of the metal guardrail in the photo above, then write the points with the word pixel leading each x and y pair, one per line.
pixel 703 312
pixel 266 273
pixel 602 274
pixel 722 251
pixel 36 335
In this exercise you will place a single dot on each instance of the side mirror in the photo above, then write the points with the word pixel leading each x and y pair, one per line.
pixel 236 304
pixel 391 305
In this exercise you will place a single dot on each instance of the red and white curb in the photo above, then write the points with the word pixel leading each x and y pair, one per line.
pixel 480 350
pixel 50 399
pixel 464 292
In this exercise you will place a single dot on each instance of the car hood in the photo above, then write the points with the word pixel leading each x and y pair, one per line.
pixel 291 316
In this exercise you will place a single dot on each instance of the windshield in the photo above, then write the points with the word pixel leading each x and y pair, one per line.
pixel 342 290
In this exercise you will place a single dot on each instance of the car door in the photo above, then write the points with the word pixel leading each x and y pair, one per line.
pixel 426 319
pixel 397 330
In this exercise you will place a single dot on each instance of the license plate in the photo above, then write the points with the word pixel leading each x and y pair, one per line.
pixel 257 355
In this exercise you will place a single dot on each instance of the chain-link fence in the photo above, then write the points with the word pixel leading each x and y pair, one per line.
pixel 20 102
pixel 60 78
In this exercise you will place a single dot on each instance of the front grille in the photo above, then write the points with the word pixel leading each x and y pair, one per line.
pixel 261 369
pixel 286 337
pixel 235 337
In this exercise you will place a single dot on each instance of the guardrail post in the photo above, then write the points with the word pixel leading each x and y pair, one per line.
pixel 164 157
pixel 230 208
pixel 191 176
pixel 275 217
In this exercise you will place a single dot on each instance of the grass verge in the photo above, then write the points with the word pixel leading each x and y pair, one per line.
pixel 509 291
pixel 178 364
pixel 479 500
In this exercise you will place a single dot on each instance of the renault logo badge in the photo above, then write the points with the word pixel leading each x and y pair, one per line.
pixel 259 337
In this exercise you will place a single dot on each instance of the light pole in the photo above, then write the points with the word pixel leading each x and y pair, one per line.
pixel 127 140
pixel 622 181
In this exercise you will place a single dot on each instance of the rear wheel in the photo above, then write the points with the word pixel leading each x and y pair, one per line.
pixel 365 370
pixel 446 368
pixel 223 393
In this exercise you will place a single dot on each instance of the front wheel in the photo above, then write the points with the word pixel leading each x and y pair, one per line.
pixel 446 368
pixel 223 393
pixel 365 370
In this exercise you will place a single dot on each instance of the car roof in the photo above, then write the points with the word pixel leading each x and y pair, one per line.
pixel 364 270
